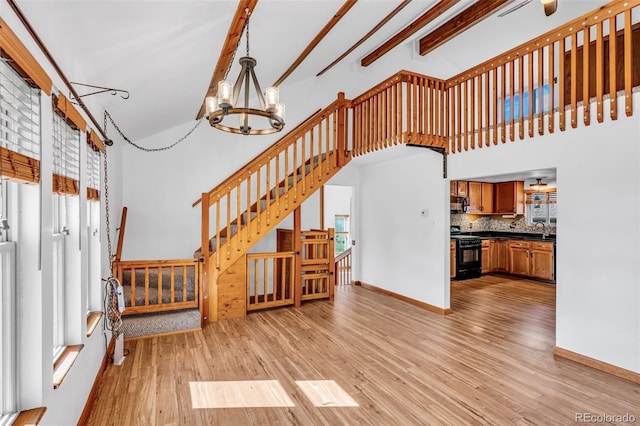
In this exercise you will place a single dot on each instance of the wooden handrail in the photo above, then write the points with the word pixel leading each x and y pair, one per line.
pixel 123 224
pixel 260 158
pixel 344 254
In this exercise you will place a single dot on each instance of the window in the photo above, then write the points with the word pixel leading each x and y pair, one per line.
pixel 60 231
pixel 93 256
pixel 541 207
pixel 341 233
pixel 8 403
pixel 19 137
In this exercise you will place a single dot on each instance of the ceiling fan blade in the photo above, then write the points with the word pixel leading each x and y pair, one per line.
pixel 550 7
pixel 514 8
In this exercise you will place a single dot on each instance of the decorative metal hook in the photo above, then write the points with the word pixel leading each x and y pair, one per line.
pixel 125 93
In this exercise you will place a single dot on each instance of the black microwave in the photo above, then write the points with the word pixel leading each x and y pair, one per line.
pixel 459 204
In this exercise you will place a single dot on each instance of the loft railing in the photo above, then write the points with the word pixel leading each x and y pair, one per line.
pixel 520 90
pixel 405 108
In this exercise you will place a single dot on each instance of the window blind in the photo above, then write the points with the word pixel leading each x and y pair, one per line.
pixel 66 157
pixel 93 174
pixel 19 126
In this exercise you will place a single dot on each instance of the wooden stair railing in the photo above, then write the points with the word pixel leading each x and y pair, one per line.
pixel 246 206
pixel 343 267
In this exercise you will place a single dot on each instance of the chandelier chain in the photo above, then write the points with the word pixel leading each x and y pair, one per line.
pixel 246 24
pixel 142 148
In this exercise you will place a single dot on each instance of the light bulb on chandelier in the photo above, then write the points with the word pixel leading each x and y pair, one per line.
pixel 226 102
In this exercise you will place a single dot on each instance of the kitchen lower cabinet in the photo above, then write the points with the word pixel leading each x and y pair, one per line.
pixel 542 262
pixel 486 256
pixel 531 259
pixel 499 255
pixel 519 257
pixel 452 246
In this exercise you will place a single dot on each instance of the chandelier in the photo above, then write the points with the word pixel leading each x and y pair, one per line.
pixel 271 111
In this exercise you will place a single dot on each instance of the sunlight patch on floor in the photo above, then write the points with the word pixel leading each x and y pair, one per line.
pixel 326 393
pixel 239 394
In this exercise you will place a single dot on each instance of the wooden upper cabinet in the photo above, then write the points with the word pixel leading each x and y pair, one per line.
pixel 459 188
pixel 480 197
pixel 509 197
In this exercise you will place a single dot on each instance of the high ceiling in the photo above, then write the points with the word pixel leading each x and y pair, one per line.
pixel 164 52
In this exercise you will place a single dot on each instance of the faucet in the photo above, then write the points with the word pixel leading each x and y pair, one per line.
pixel 544 229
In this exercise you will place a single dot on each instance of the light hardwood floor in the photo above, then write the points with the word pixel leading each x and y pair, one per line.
pixel 490 362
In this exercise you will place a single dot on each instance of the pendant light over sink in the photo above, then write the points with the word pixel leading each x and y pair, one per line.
pixel 539 185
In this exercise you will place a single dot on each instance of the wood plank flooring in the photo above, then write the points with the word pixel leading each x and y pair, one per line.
pixel 490 362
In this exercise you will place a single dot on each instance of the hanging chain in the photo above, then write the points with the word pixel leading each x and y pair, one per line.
pixel 246 24
pixel 106 202
pixel 142 148
pixel 233 56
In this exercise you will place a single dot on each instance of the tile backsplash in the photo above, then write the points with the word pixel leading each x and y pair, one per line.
pixel 475 223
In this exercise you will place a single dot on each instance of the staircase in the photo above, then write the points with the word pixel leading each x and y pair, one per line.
pixel 250 203
pixel 406 108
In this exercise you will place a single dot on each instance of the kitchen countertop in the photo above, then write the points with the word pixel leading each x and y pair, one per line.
pixel 510 236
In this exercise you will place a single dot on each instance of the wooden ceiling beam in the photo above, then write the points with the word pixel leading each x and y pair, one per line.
pixel 427 17
pixel 317 39
pixel 228 49
pixel 375 29
pixel 460 23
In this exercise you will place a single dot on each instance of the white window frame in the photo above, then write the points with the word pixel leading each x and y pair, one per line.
pixel 58 281
pixel 346 233
pixel 546 201
pixel 94 272
pixel 8 332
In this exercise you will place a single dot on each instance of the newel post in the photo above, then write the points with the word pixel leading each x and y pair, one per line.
pixel 342 134
pixel 331 257
pixel 297 247
pixel 206 275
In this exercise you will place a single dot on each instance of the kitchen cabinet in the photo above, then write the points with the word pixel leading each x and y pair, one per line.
pixel 519 257
pixel 532 258
pixel 452 246
pixel 541 260
pixel 459 188
pixel 509 197
pixel 500 255
pixel 480 197
pixel 486 256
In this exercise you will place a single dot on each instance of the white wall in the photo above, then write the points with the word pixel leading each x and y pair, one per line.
pixel 598 244
pixel 337 201
pixel 398 248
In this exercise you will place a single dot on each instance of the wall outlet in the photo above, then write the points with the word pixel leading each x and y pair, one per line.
pixel 424 212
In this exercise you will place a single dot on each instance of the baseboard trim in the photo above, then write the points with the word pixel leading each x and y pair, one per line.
pixel 418 303
pixel 86 411
pixel 598 365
